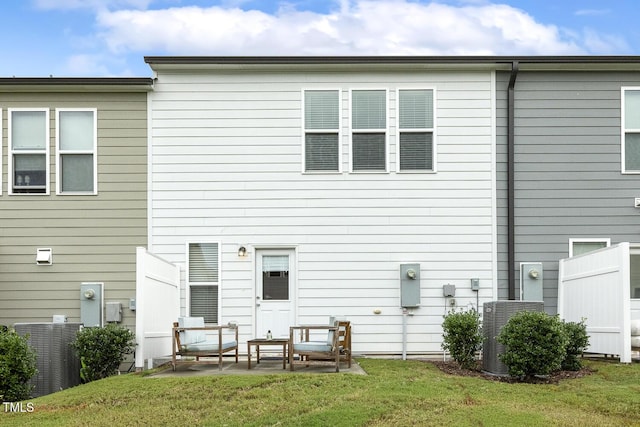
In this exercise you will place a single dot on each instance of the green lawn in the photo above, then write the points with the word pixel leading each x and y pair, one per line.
pixel 395 393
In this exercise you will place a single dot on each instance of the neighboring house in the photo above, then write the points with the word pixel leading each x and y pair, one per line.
pixel 575 167
pixel 73 194
pixel 293 189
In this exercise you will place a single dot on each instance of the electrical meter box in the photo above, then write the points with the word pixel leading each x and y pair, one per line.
pixel 91 304
pixel 409 285
pixel 531 281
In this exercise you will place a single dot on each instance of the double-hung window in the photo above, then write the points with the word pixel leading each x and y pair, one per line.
pixel 28 151
pixel 415 130
pixel 76 138
pixel 322 131
pixel 630 130
pixel 369 130
pixel 203 280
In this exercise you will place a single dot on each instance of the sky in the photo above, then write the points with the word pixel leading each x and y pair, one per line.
pixel 100 38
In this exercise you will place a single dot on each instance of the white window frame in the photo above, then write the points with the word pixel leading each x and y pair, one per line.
pixel 10 151
pixel 605 240
pixel 329 131
pixel 432 130
pixel 385 130
pixel 189 284
pixel 60 153
pixel 624 130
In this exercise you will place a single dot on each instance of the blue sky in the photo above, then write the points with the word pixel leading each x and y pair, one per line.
pixel 94 38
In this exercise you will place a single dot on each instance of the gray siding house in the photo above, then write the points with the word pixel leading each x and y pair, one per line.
pixel 73 193
pixel 567 166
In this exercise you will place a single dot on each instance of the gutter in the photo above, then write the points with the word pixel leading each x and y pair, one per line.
pixel 511 275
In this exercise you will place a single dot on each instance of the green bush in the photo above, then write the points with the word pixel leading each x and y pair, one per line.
pixel 102 350
pixel 576 333
pixel 17 366
pixel 535 344
pixel 462 336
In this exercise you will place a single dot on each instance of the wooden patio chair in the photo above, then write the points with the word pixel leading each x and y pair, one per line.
pixel 314 351
pixel 344 341
pixel 191 338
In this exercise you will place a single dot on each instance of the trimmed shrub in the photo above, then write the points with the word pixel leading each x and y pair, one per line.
pixel 535 344
pixel 17 366
pixel 462 337
pixel 576 333
pixel 101 350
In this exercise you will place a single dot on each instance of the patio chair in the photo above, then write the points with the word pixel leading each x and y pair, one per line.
pixel 191 338
pixel 310 351
pixel 344 341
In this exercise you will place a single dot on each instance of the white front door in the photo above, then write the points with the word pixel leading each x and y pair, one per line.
pixel 275 291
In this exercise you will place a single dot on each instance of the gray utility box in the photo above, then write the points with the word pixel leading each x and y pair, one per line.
pixel 409 285
pixel 531 279
pixel 91 304
pixel 57 363
pixel 496 315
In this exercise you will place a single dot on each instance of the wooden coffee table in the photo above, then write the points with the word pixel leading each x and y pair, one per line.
pixel 257 342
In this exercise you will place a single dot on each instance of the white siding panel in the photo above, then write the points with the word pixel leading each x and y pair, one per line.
pixel 227 165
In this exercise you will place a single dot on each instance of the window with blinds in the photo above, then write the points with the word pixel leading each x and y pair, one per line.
pixel 322 131
pixel 369 130
pixel 631 130
pixel 203 280
pixel 415 128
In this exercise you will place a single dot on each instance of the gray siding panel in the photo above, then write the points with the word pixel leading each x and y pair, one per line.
pixel 93 238
pixel 567 174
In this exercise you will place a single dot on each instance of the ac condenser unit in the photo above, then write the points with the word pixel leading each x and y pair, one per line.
pixel 57 363
pixel 496 315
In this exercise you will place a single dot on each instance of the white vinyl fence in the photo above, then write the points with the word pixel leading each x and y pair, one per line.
pixel 157 305
pixel 595 287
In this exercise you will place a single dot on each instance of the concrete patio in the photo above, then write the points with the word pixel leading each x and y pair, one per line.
pixel 267 366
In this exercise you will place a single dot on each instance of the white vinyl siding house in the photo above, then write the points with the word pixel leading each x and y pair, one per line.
pixel 270 157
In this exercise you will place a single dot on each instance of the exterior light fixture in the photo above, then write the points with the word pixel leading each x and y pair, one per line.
pixel 242 251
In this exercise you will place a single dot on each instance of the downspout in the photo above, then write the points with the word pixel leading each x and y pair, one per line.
pixel 511 181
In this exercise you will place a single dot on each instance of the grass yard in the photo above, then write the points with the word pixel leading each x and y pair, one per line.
pixel 395 393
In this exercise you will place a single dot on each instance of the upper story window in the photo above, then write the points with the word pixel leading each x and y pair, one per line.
pixel 416 130
pixel 28 151
pixel 369 130
pixel 76 141
pixel 322 131
pixel 630 130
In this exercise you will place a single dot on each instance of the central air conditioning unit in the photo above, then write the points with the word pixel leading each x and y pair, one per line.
pixel 57 363
pixel 496 314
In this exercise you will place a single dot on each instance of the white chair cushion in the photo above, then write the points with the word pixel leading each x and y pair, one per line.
pixel 191 337
pixel 210 346
pixel 313 346
pixel 635 327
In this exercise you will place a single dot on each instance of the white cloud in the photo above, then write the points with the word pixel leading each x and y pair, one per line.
pixel 361 27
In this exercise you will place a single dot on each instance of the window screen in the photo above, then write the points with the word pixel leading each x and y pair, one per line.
pixel 29 142
pixel 76 151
